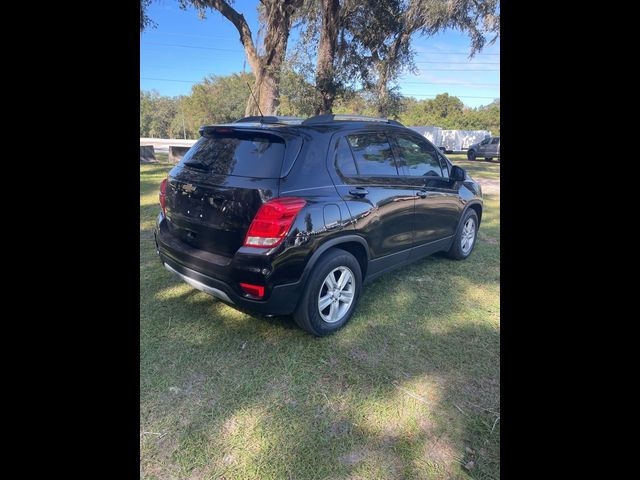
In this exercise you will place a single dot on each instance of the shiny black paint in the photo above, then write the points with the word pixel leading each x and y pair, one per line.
pixel 398 220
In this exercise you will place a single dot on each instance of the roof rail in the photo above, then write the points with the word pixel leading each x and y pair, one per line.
pixel 341 117
pixel 270 119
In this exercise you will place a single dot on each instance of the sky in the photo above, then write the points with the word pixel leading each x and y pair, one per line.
pixel 183 49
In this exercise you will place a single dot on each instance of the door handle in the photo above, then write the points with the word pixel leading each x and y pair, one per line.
pixel 359 191
pixel 422 194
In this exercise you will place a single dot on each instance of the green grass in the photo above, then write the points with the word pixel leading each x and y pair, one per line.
pixel 478 168
pixel 162 157
pixel 408 389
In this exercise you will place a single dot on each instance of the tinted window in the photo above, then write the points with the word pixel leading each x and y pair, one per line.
pixel 485 141
pixel 418 157
pixel 495 140
pixel 344 158
pixel 445 166
pixel 238 154
pixel 373 154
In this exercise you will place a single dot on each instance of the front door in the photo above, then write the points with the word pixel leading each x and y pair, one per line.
pixel 438 205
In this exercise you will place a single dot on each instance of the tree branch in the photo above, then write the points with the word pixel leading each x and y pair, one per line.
pixel 241 25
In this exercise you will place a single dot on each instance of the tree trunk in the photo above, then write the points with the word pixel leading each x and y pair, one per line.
pixel 325 72
pixel 266 67
pixel 266 93
pixel 267 85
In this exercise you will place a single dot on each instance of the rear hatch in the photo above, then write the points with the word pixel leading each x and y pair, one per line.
pixel 221 182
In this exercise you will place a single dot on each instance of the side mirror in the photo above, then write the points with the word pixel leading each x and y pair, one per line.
pixel 458 174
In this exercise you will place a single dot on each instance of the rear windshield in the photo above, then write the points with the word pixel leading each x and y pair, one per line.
pixel 240 154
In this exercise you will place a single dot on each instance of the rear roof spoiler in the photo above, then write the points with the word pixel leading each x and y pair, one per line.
pixel 271 120
pixel 339 117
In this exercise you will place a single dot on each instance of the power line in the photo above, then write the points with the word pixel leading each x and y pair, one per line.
pixel 170 80
pixel 481 85
pixel 440 52
pixel 241 51
pixel 451 83
pixel 193 46
pixel 463 63
pixel 435 95
pixel 430 70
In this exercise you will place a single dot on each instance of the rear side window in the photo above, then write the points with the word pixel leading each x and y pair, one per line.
pixel 238 154
pixel 344 158
pixel 373 154
pixel 418 157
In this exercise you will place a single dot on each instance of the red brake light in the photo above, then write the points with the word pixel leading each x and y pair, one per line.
pixel 273 221
pixel 255 290
pixel 163 195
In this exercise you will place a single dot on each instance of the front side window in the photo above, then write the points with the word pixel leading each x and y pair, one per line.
pixel 373 154
pixel 485 141
pixel 495 140
pixel 418 158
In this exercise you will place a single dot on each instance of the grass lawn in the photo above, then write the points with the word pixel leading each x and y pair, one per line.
pixel 408 389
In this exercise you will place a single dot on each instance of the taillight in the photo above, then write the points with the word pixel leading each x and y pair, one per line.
pixel 163 195
pixel 273 221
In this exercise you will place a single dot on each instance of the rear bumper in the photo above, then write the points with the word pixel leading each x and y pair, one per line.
pixel 221 280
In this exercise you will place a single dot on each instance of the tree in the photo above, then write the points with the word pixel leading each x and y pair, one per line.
pixel 276 18
pixel 156 114
pixel 297 95
pixel 374 40
pixel 326 84
pixel 145 21
pixel 217 99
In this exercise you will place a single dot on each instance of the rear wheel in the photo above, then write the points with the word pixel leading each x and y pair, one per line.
pixel 488 159
pixel 466 236
pixel 471 155
pixel 331 293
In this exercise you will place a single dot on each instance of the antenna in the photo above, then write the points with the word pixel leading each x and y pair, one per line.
pixel 257 104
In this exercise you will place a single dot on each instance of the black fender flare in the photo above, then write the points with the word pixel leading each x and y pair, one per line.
pixel 464 212
pixel 326 246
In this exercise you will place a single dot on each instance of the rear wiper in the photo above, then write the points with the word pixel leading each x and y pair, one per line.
pixel 198 165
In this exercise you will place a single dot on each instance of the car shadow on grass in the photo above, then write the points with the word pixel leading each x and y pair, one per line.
pixel 408 388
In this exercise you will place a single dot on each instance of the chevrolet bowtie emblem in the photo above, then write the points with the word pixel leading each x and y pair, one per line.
pixel 187 187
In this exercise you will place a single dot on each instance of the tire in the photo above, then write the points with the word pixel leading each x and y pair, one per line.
pixel 308 315
pixel 460 249
pixel 489 159
pixel 471 155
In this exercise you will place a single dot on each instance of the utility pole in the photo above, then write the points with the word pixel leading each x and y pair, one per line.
pixel 184 132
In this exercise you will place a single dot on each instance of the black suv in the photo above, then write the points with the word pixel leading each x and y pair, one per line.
pixel 289 216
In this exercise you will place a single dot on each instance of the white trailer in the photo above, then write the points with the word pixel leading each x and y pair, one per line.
pixel 469 137
pixel 452 140
pixel 433 134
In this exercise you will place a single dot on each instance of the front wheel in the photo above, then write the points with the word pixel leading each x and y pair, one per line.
pixel 331 293
pixel 465 238
pixel 471 155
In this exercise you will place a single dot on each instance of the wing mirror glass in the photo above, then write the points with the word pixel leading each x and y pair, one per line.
pixel 458 174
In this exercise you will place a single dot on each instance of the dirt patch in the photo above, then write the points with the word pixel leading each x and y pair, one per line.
pixel 355 456
pixel 489 185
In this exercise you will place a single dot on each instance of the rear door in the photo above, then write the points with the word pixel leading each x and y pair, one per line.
pixel 381 206
pixel 219 185
pixel 437 205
